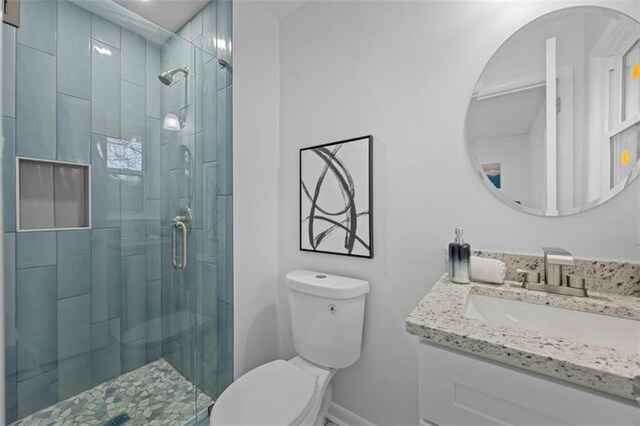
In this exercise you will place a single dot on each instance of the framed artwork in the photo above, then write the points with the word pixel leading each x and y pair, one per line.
pixel 493 172
pixel 336 198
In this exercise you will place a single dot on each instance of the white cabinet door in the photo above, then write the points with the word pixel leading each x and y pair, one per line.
pixel 459 389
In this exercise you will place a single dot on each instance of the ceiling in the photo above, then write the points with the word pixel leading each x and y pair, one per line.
pixel 169 14
pixel 173 14
pixel 281 8
pixel 505 115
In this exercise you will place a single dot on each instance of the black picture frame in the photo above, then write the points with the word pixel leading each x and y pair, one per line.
pixel 352 239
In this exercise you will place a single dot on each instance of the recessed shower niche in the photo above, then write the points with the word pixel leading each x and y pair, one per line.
pixel 52 195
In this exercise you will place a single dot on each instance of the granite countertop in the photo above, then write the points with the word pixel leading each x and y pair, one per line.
pixel 439 318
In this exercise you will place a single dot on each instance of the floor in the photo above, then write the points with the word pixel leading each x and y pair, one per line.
pixel 155 394
pixel 205 422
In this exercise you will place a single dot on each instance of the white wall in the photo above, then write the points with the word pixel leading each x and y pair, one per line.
pixel 255 173
pixel 404 72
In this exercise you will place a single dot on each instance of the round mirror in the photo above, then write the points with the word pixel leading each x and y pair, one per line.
pixel 553 126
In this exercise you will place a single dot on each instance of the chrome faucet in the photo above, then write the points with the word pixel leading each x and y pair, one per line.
pixel 555 280
pixel 555 259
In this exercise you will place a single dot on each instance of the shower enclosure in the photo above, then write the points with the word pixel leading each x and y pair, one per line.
pixel 117 214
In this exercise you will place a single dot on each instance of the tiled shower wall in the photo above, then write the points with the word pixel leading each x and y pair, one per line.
pixel 84 306
pixel 75 87
pixel 196 173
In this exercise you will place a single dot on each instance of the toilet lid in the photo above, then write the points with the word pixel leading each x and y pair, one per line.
pixel 277 393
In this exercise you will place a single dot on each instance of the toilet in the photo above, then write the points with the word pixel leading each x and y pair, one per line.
pixel 327 314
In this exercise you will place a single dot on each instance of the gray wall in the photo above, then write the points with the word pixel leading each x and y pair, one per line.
pixel 255 144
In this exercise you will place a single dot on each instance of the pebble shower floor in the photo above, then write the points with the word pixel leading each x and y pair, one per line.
pixel 155 394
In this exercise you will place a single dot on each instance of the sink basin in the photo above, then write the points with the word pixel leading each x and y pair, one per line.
pixel 583 327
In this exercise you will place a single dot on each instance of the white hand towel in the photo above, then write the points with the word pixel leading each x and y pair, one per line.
pixel 487 270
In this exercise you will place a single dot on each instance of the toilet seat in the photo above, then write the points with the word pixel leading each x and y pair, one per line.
pixel 276 393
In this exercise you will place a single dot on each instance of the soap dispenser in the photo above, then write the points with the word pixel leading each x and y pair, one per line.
pixel 460 260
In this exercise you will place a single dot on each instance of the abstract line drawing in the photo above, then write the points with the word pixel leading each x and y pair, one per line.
pixel 336 198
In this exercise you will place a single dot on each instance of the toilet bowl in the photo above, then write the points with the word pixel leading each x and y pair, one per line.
pixel 327 313
pixel 277 393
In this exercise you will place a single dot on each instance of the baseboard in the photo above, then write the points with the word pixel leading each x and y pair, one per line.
pixel 343 417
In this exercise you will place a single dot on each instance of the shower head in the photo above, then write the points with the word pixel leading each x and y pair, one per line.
pixel 167 77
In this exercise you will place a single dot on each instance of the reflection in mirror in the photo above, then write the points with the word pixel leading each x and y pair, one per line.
pixel 553 122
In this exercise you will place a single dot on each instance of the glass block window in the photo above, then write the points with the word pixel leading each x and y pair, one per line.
pixel 52 195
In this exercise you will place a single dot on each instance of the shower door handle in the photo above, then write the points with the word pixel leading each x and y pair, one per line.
pixel 182 221
pixel 182 265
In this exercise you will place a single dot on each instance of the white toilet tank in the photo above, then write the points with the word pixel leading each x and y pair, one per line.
pixel 327 314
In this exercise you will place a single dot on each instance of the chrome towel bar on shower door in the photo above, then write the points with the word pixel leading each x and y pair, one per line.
pixel 183 265
pixel 183 222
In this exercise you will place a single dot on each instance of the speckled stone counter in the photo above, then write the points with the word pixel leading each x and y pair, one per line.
pixel 604 276
pixel 439 318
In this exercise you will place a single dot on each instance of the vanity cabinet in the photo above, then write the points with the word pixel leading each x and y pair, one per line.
pixel 456 388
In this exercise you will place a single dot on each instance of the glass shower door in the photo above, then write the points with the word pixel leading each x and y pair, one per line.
pixel 196 204
pixel 181 212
